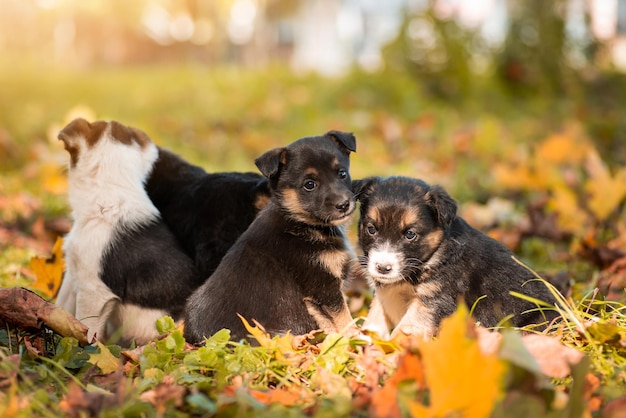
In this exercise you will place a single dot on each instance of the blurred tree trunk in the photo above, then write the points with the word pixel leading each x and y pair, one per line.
pixel 533 57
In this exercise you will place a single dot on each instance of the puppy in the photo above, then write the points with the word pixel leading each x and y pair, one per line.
pixel 206 212
pixel 124 268
pixel 420 258
pixel 286 270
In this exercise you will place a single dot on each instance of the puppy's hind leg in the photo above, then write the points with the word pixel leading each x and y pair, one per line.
pixel 94 306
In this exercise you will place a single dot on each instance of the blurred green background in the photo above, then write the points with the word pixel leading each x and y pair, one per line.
pixel 457 92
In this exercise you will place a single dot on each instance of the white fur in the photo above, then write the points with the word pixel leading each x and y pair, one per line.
pixel 384 255
pixel 132 322
pixel 105 188
pixel 398 306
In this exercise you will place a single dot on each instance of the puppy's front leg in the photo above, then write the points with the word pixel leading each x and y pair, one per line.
pixel 416 321
pixel 376 320
pixel 330 321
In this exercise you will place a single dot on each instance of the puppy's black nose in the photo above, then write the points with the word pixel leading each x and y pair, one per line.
pixel 383 268
pixel 343 206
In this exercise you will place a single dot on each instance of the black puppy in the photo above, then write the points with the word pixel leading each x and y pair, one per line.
pixel 286 271
pixel 420 258
pixel 206 212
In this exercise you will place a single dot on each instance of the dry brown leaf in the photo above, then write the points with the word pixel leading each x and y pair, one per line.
pixel 25 309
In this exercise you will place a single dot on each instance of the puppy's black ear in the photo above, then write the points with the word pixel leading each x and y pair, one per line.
pixel 444 206
pixel 362 188
pixel 345 139
pixel 269 163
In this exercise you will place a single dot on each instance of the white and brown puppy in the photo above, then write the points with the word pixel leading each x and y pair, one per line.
pixel 124 268
pixel 421 259
pixel 287 269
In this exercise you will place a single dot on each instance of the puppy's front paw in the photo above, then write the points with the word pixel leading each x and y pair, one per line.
pixel 424 333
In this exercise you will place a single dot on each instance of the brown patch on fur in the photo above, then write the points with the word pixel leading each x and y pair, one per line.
pixel 334 262
pixel 374 214
pixel 433 239
pixel 408 217
pixel 289 200
pixel 76 128
pixel 311 172
pixel 283 157
pixel 261 201
pixel 97 129
pixel 428 289
pixel 329 321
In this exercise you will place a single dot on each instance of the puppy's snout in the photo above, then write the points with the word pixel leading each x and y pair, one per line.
pixel 343 206
pixel 384 268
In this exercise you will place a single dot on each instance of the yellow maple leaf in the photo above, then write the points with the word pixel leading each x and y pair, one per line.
pixel 571 217
pixel 606 191
pixel 462 380
pixel 49 271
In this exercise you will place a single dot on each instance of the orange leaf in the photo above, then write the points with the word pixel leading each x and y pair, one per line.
pixel 385 401
pixel 49 271
pixel 558 149
pixel 462 380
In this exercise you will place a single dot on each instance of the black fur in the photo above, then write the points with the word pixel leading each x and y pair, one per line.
pixel 145 266
pixel 206 212
pixel 470 264
pixel 274 270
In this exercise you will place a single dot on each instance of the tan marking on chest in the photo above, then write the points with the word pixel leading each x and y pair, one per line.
pixel 334 262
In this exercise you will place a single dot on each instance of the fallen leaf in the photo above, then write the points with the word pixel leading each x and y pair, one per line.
pixel 104 359
pixel 606 191
pixel 462 380
pixel 49 271
pixel 615 409
pixel 25 309
pixel 410 369
pixel 571 218
pixel 554 359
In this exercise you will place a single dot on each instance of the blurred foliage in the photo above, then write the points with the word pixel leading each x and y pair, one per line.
pixel 539 69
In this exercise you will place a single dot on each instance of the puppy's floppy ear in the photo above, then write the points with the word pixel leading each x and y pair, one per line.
pixel 127 135
pixel 269 163
pixel 77 127
pixel 443 205
pixel 362 188
pixel 345 139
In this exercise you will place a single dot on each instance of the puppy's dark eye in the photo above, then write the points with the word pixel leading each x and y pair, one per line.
pixel 371 229
pixel 310 185
pixel 343 174
pixel 410 235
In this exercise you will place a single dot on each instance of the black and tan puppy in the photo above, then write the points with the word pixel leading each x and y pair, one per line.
pixel 421 258
pixel 286 271
pixel 206 212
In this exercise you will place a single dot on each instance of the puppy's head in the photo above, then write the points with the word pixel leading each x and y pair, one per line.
pixel 108 146
pixel 310 178
pixel 403 221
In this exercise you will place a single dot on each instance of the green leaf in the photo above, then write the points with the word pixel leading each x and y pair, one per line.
pixel 175 342
pixel 165 324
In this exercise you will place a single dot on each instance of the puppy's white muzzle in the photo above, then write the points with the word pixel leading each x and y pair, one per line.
pixel 384 264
